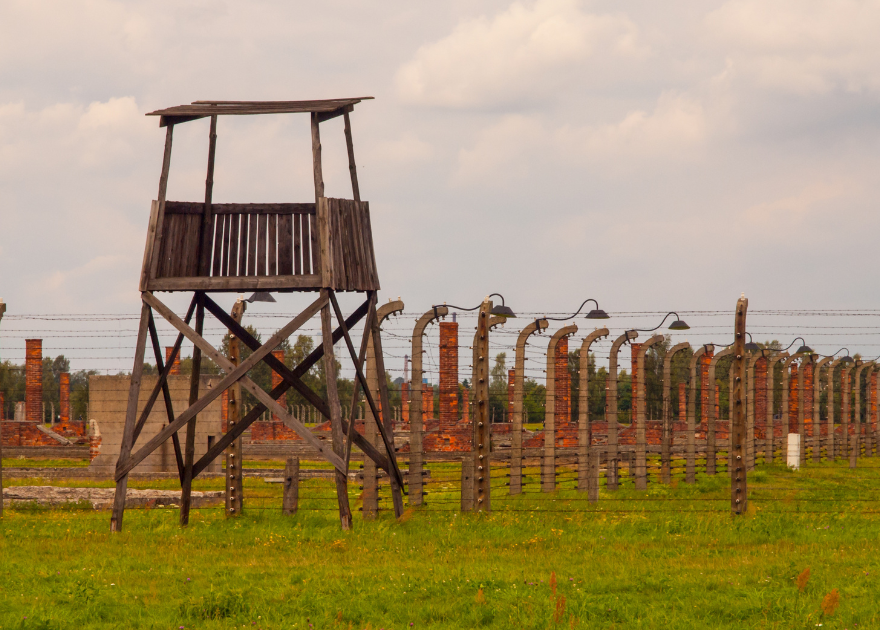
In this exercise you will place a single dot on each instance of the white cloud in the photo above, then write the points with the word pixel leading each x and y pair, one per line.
pixel 522 53
pixel 802 46
pixel 514 146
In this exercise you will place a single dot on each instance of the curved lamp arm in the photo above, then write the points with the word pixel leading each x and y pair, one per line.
pixel 678 324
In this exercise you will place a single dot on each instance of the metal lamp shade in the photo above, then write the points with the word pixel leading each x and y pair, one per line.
pixel 503 311
pixel 260 296
pixel 804 350
pixel 598 313
pixel 679 324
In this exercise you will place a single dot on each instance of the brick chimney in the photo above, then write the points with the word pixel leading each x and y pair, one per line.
pixel 33 388
pixel 705 359
pixel 793 399
pixel 276 381
pixel 448 376
pixel 175 369
pixel 808 397
pixel 64 397
pixel 562 401
pixel 465 404
pixel 634 380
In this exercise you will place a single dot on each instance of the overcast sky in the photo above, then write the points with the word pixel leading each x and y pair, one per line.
pixel 654 155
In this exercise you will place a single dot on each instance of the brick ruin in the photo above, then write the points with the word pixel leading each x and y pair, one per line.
pixel 29 430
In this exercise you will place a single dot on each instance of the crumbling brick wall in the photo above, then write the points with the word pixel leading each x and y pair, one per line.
pixel 175 369
pixel 448 376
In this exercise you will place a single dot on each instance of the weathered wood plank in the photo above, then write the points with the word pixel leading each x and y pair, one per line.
pixel 285 244
pixel 237 283
pixel 253 231
pixel 297 245
pixel 262 228
pixel 196 207
pixel 232 268
pixel 272 264
pixel 224 263
pixel 163 187
pixel 243 245
pixel 217 259
pixel 148 249
pixel 369 233
pixel 207 222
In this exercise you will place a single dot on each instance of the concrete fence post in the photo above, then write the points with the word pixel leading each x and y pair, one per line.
pixel 640 398
pixel 548 462
pixel 416 421
pixel 786 403
pixel 817 422
pixel 371 431
pixel 695 386
pixel 612 476
pixel 845 407
pixel 290 501
pixel 518 419
pixel 857 415
pixel 666 436
pixel 738 486
pixel 711 437
pixel 588 461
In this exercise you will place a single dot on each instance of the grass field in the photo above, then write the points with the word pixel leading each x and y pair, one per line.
pixel 807 554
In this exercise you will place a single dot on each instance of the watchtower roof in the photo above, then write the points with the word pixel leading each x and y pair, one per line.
pixel 330 108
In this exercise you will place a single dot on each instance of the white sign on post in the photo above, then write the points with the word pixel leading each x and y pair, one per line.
pixel 794 451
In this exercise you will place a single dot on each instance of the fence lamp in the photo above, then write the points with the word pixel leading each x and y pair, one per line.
pixel 678 324
pixel 500 310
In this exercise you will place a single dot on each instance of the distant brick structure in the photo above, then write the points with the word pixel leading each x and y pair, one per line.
pixel 793 403
pixel 634 380
pixel 760 392
pixel 562 400
pixel 33 388
pixel 705 359
pixel 448 376
pixel 682 403
pixel 66 427
pixel 175 369
pixel 404 402
pixel 808 399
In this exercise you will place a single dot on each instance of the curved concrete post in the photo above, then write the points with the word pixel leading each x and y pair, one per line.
pixel 517 420
pixel 786 404
pixel 831 447
pixel 640 400
pixel 588 462
pixel 751 411
pixel 666 438
pixel 802 403
pixel 548 462
pixel 691 454
pixel 869 433
pixel 857 415
pixel 769 440
pixel 711 442
pixel 416 423
pixel 845 407
pixel 817 409
pixel 371 481
pixel 612 480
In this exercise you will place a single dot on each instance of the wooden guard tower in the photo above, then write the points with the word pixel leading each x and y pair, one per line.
pixel 203 247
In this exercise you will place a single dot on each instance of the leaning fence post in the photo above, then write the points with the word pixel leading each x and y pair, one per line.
pixel 588 461
pixel 290 502
pixel 666 439
pixel 738 486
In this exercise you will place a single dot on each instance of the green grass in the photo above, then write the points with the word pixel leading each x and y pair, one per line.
pixel 671 557
pixel 35 462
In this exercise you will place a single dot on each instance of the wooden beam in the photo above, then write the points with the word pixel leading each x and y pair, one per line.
pixel 130 414
pixel 160 199
pixel 237 284
pixel 342 111
pixel 196 207
pixel 233 375
pixel 207 215
pixel 352 165
pixel 189 453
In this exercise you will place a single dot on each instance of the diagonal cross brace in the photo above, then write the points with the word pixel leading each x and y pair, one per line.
pixel 377 417
pixel 234 374
pixel 291 379
pixel 238 373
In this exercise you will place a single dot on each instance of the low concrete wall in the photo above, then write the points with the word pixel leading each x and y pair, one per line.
pixel 108 397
